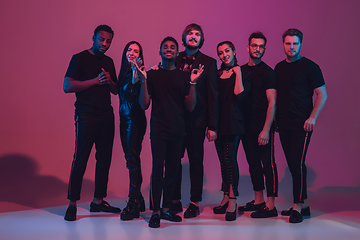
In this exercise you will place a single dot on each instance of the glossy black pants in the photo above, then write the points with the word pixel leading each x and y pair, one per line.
pixel 132 131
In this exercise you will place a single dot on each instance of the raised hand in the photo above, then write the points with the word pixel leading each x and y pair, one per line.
pixel 141 71
pixel 195 74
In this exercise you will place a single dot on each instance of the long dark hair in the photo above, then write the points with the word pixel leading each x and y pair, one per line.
pixel 125 65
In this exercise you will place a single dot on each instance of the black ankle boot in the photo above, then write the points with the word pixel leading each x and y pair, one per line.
pixel 131 211
pixel 231 216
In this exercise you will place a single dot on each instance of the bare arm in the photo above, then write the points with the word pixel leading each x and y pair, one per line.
pixel 71 85
pixel 190 99
pixel 321 96
pixel 144 98
pixel 239 88
pixel 263 138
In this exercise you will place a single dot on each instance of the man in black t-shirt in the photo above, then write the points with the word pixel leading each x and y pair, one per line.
pixel 90 76
pixel 258 141
pixel 298 78
pixel 170 94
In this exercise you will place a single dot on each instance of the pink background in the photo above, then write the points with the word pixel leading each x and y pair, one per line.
pixel 37 127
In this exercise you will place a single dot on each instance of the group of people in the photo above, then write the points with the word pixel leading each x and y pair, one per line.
pixel 192 100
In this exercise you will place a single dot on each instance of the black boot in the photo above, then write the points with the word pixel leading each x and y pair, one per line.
pixel 231 216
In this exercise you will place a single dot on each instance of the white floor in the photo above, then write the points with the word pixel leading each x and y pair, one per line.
pixel 48 223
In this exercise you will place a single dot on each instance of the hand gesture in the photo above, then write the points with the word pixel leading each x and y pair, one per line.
pixel 104 77
pixel 195 74
pixel 236 70
pixel 140 70
pixel 156 67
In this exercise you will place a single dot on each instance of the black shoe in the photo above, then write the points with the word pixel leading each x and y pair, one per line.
pixel 103 207
pixel 264 212
pixel 231 216
pixel 304 212
pixel 70 214
pixel 295 217
pixel 250 206
pixel 192 211
pixel 170 216
pixel 131 211
pixel 221 209
pixel 176 207
pixel 154 221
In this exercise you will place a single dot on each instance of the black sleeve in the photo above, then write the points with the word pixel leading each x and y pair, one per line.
pixel 74 69
pixel 213 96
pixel 246 80
pixel 316 76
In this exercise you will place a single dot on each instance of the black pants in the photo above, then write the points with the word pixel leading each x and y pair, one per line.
pixel 90 130
pixel 166 152
pixel 194 145
pixel 261 160
pixel 227 147
pixel 132 131
pixel 295 143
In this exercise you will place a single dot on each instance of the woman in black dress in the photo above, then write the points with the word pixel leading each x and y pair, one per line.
pixel 132 125
pixel 234 87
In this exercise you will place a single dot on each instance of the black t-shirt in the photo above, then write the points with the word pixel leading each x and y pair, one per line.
pixel 262 78
pixel 296 84
pixel 167 89
pixel 85 66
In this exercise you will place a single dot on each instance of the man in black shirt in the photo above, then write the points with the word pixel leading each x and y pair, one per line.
pixel 90 75
pixel 170 93
pixel 258 141
pixel 298 78
pixel 203 120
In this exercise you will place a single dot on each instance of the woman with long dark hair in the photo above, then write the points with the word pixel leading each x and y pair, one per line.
pixel 132 125
pixel 234 87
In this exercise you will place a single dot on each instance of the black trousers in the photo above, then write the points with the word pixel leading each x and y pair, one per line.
pixel 90 130
pixel 194 145
pixel 132 131
pixel 165 152
pixel 261 160
pixel 295 143
pixel 227 147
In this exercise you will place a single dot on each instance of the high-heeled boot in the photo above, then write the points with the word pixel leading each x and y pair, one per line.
pixel 231 216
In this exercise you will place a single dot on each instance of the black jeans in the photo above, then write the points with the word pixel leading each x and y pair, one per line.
pixel 227 147
pixel 132 131
pixel 261 160
pixel 90 130
pixel 166 152
pixel 194 145
pixel 295 143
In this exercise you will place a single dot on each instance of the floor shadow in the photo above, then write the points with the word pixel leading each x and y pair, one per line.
pixel 20 183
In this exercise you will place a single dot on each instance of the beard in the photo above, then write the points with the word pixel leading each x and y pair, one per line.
pixel 261 55
pixel 191 47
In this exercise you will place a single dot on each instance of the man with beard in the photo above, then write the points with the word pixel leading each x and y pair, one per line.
pixel 258 142
pixel 298 78
pixel 202 120
pixel 170 93
pixel 90 75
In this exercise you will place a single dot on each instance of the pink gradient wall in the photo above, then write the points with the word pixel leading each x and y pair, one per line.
pixel 39 38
